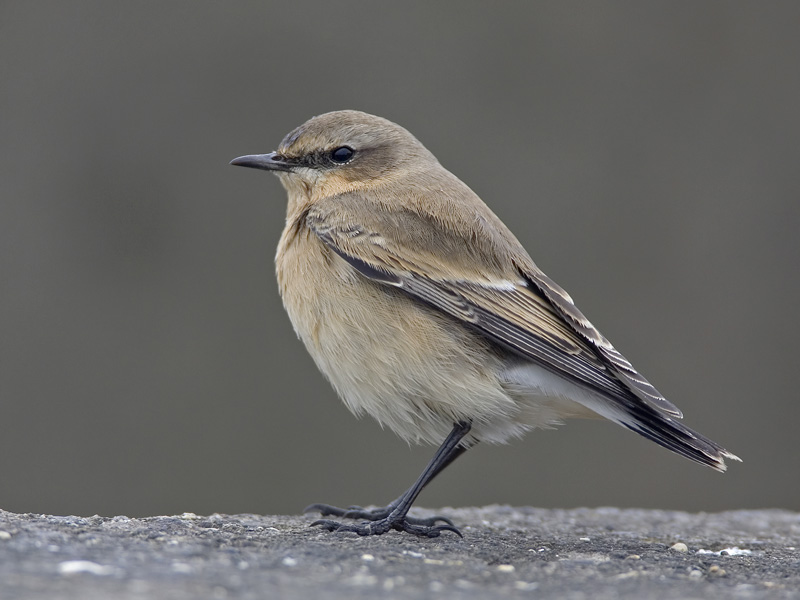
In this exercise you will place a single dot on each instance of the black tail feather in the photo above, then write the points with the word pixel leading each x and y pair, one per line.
pixel 672 435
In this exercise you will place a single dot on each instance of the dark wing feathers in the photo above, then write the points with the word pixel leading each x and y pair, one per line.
pixel 523 321
pixel 616 362
pixel 533 317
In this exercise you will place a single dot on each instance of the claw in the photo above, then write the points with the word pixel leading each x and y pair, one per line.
pixel 432 521
pixel 317 507
pixel 326 524
pixel 455 530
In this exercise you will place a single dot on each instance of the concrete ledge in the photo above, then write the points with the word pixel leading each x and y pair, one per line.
pixel 506 552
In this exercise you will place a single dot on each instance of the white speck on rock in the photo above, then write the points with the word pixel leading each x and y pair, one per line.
pixel 74 567
pixel 362 579
pixel 735 551
pixel 181 567
pixel 627 575
pixel 289 561
pixel 526 586
pixel 506 568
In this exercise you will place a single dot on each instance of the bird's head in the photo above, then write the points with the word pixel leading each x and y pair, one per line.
pixel 341 151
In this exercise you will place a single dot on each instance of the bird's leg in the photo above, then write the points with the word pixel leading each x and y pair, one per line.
pixel 376 514
pixel 395 516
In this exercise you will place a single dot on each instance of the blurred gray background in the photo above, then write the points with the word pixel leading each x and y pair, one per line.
pixel 646 154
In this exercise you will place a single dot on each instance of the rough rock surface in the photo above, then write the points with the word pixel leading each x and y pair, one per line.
pixel 506 552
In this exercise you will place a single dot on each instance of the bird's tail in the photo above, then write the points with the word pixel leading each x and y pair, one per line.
pixel 665 431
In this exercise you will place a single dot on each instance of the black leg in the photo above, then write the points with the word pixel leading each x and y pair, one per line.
pixel 376 514
pixel 395 516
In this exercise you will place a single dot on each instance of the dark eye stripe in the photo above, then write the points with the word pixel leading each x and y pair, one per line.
pixel 326 158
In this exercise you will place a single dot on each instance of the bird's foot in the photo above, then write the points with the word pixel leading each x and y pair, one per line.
pixel 376 514
pixel 381 520
pixel 381 526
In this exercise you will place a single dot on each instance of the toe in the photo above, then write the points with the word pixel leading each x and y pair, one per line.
pixel 429 521
pixel 424 531
pixel 326 524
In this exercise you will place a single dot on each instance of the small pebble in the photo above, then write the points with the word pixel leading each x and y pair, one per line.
pixel 391 582
pixel 363 579
pixel 367 557
pixel 179 567
pixel 627 575
pixel 526 586
pixel 505 568
pixel 71 567
pixel 679 547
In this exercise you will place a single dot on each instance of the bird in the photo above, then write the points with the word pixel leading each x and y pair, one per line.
pixel 424 311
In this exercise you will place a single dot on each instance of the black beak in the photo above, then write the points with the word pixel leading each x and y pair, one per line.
pixel 269 162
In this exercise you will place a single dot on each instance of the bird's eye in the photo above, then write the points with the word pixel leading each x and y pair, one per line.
pixel 342 154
